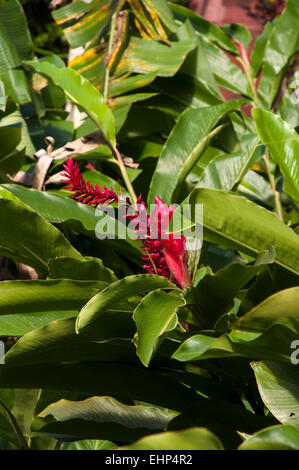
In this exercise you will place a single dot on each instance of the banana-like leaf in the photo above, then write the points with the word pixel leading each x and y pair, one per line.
pixel 27 237
pixel 224 171
pixel 100 418
pixel 281 437
pixel 282 45
pixel 91 269
pixel 118 380
pixel 145 56
pixel 80 92
pixel 234 221
pixel 267 332
pixel 202 26
pixel 46 295
pixel 283 144
pixel 184 147
pixel 118 291
pixel 81 21
pixel 278 385
pixel 189 439
pixel 155 315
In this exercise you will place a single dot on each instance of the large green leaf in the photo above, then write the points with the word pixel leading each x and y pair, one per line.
pixel 81 21
pixel 28 238
pixel 282 45
pixel 224 171
pixel 117 380
pixel 237 222
pixel 283 144
pixel 144 56
pixel 281 437
pixel 282 305
pixel 222 418
pixel 184 147
pixel 82 218
pixel 19 324
pixel 46 295
pixel 13 20
pixel 189 439
pixel 81 92
pixel 155 315
pixel 58 342
pixel 91 269
pixel 10 137
pixel 278 385
pixel 201 25
pixel 266 332
pixel 100 418
pixel 214 293
pixel 117 292
pixel 227 74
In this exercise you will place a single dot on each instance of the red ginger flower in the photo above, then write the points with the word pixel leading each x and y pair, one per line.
pixel 165 253
pixel 84 191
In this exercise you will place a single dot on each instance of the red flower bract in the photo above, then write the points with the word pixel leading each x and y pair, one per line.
pixel 165 254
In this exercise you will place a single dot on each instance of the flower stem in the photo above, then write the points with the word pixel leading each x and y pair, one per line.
pixel 125 176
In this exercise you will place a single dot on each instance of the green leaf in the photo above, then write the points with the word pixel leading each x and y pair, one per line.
pixel 118 291
pixel 59 209
pixel 155 315
pixel 100 418
pixel 10 137
pixel 224 171
pixel 184 147
pixel 81 21
pixel 16 85
pixel 236 222
pixel 202 26
pixel 92 269
pixel 281 437
pixel 81 92
pixel 239 32
pixel 20 324
pixel 146 56
pixel 215 293
pixel 13 20
pixel 122 85
pixel 60 343
pixel 226 73
pixel 282 46
pixel 28 238
pixel 258 53
pixel 222 418
pixel 266 332
pixel 46 295
pixel 281 305
pixel 23 409
pixel 164 12
pixel 189 439
pixel 88 444
pixel 3 96
pixel 278 385
pixel 283 144
pixel 118 380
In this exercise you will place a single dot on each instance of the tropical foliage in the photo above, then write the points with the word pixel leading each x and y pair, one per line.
pixel 196 349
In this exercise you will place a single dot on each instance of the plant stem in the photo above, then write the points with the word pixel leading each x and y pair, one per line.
pixel 278 208
pixel 22 440
pixel 252 83
pixel 110 45
pixel 125 176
